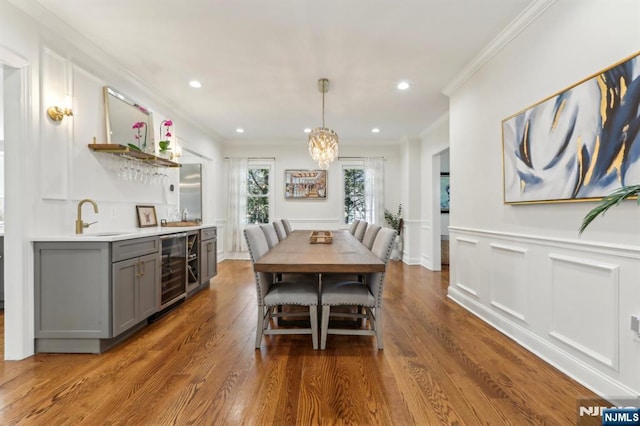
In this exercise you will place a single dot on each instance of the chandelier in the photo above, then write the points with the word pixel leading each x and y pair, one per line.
pixel 323 142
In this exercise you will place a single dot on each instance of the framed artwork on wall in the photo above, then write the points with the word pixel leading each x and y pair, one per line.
pixel 305 184
pixel 579 144
pixel 146 216
pixel 444 193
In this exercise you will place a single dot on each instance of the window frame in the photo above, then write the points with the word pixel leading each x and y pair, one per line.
pixel 262 164
pixel 350 166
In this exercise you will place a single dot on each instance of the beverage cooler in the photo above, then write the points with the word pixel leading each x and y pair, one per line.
pixel 174 269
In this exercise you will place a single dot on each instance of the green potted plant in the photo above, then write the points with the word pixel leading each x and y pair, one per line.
pixel 609 201
pixel 395 222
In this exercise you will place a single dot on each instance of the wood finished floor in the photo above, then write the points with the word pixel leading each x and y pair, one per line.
pixel 197 365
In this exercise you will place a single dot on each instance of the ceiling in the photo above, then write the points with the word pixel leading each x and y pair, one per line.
pixel 259 61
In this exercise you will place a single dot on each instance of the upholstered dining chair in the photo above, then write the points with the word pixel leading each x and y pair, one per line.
pixel 360 230
pixel 270 234
pixel 287 226
pixel 354 226
pixel 355 293
pixel 271 294
pixel 370 235
pixel 277 225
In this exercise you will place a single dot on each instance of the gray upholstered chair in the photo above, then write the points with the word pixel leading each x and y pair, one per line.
pixel 355 293
pixel 354 226
pixel 360 230
pixel 287 226
pixel 277 225
pixel 370 235
pixel 270 234
pixel 271 294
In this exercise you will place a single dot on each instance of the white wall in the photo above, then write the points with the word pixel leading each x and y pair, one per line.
pixel 434 141
pixel 320 214
pixel 523 268
pixel 48 165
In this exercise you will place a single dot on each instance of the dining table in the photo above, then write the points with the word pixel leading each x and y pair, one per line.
pixel 297 254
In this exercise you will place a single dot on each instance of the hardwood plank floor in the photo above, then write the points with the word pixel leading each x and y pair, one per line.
pixel 197 365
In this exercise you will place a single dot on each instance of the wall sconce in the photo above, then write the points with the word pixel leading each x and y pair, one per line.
pixel 57 113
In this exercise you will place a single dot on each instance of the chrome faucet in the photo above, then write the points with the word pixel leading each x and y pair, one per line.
pixel 80 225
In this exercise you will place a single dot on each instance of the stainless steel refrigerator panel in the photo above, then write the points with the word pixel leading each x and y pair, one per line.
pixel 191 190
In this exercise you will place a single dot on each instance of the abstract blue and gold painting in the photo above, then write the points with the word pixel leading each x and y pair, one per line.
pixel 579 144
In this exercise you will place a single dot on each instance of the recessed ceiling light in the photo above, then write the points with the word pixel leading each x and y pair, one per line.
pixel 307 130
pixel 375 130
pixel 195 84
pixel 239 130
pixel 403 85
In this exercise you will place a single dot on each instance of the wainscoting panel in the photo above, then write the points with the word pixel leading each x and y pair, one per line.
pixel 56 135
pixel 509 281
pixel 591 289
pixel 569 301
pixel 465 277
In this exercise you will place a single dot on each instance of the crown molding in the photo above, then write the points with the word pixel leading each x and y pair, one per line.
pixel 522 21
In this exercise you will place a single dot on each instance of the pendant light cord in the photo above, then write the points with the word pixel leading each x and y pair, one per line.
pixel 323 107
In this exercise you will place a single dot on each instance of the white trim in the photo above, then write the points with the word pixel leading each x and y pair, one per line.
pixel 522 21
pixel 621 250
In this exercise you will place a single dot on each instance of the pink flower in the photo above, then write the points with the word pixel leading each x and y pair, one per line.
pixel 138 125
pixel 164 144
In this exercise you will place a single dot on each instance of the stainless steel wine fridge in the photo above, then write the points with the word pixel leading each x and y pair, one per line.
pixel 174 269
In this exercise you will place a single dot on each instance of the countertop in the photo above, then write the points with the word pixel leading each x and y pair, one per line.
pixel 119 235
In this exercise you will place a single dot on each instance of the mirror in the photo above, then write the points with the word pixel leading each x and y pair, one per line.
pixel 122 113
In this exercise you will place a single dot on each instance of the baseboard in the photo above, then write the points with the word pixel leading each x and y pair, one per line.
pixel 584 374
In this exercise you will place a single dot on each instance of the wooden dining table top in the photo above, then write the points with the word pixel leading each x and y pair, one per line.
pixel 296 254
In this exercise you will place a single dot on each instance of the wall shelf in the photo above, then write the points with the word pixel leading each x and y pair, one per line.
pixel 125 151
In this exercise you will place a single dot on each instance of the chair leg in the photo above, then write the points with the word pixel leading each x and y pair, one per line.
pixel 259 326
pixel 313 313
pixel 379 327
pixel 325 326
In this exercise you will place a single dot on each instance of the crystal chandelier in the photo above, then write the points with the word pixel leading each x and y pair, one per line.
pixel 323 142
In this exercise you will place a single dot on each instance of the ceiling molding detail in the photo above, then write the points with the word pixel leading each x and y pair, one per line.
pixel 530 14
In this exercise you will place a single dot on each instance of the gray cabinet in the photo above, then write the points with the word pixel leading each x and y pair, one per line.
pixel 208 255
pixel 135 278
pixel 193 261
pixel 88 294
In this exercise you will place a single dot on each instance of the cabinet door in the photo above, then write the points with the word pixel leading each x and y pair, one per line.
pixel 208 260
pixel 149 286
pixel 125 304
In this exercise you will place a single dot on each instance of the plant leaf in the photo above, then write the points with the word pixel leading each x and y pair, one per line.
pixel 609 201
pixel 133 147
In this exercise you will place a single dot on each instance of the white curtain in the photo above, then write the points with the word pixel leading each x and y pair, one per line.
pixel 374 190
pixel 236 205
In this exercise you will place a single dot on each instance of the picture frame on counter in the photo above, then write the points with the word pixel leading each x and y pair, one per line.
pixel 146 216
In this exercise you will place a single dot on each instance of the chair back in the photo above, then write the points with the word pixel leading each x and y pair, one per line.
pixel 287 226
pixel 382 247
pixel 258 247
pixel 277 225
pixel 270 234
pixel 360 230
pixel 354 226
pixel 370 235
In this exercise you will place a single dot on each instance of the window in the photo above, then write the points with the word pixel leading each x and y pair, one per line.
pixel 258 194
pixel 354 206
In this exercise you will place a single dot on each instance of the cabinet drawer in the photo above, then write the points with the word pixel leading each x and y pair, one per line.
pixel 127 249
pixel 208 233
